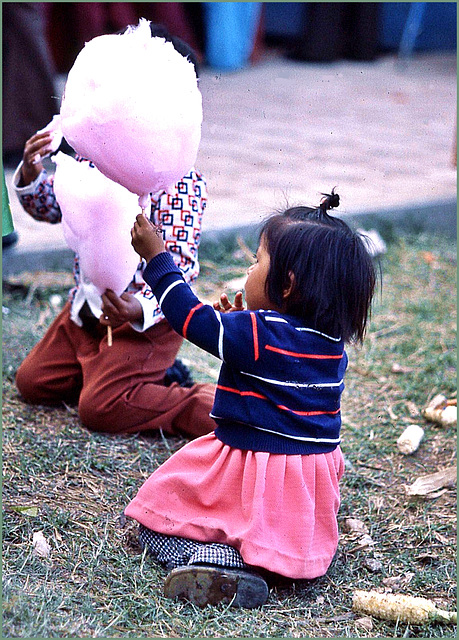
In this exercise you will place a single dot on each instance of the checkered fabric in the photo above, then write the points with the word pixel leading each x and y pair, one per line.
pixel 173 551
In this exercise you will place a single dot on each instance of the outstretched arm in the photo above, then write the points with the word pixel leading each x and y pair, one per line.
pixel 147 238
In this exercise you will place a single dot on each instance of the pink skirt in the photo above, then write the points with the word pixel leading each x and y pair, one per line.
pixel 278 511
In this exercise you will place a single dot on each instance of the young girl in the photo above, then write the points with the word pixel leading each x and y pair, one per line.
pixel 261 491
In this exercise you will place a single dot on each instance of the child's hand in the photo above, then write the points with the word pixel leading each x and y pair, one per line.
pixel 225 306
pixel 116 310
pixel 36 148
pixel 147 239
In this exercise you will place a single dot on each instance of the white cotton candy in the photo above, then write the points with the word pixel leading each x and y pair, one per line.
pixel 97 217
pixel 55 128
pixel 132 105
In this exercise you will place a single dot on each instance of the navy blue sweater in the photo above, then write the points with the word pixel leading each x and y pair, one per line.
pixel 280 382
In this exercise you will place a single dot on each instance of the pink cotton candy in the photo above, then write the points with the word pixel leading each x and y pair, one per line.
pixel 54 127
pixel 97 217
pixel 132 105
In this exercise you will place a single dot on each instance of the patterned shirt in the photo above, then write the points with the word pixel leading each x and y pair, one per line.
pixel 180 211
pixel 280 382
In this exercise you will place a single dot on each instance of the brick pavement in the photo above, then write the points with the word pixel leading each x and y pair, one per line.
pixel 382 134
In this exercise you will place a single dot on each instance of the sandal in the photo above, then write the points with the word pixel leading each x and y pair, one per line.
pixel 203 585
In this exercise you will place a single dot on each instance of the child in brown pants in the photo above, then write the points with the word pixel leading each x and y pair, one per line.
pixel 126 387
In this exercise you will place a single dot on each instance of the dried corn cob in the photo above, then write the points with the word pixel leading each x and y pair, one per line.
pixel 410 439
pixel 441 410
pixel 389 606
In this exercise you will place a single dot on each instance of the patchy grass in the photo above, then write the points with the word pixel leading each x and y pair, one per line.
pixel 73 485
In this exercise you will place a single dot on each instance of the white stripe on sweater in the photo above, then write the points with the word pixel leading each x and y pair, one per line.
pixel 302 385
pixel 319 333
pixel 220 334
pixel 166 291
pixel 285 435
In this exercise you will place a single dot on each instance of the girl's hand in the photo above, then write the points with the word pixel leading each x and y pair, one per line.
pixel 147 239
pixel 116 310
pixel 36 148
pixel 225 306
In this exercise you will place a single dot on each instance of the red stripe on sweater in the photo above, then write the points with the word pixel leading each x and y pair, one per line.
pixel 255 336
pixel 308 413
pixel 313 356
pixel 279 406
pixel 188 318
pixel 242 393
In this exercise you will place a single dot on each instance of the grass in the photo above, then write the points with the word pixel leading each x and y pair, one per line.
pixel 73 485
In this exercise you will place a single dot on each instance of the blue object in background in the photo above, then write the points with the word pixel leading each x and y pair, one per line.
pixel 284 19
pixel 412 29
pixel 437 28
pixel 230 33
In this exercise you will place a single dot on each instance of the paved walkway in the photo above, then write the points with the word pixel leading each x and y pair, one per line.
pixel 287 131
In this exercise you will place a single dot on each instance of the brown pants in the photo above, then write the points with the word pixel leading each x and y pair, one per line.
pixel 119 389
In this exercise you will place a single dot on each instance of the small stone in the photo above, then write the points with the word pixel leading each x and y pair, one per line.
pixel 372 565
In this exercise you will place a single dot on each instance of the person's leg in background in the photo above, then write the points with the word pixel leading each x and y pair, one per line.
pixel 124 387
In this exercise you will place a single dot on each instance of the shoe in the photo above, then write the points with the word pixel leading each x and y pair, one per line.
pixel 178 373
pixel 212 585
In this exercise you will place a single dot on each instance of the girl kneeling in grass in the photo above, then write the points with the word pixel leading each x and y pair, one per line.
pixel 261 492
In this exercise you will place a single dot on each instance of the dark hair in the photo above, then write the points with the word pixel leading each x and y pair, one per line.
pixel 160 31
pixel 333 273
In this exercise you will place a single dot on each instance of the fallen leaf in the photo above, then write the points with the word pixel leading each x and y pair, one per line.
pixel 398 368
pixel 440 538
pixel 396 582
pixel 435 494
pixel 432 482
pixel 365 623
pixel 373 565
pixel 26 511
pixel 354 524
pixel 365 541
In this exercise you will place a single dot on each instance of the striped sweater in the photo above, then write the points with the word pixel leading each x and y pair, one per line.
pixel 280 382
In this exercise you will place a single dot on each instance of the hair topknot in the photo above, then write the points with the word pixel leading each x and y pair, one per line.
pixel 329 201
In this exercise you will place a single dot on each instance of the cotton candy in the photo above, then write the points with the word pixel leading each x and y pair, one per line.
pixel 132 105
pixel 54 127
pixel 97 216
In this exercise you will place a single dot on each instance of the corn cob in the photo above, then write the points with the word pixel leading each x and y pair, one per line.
pixel 442 411
pixel 389 606
pixel 410 439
